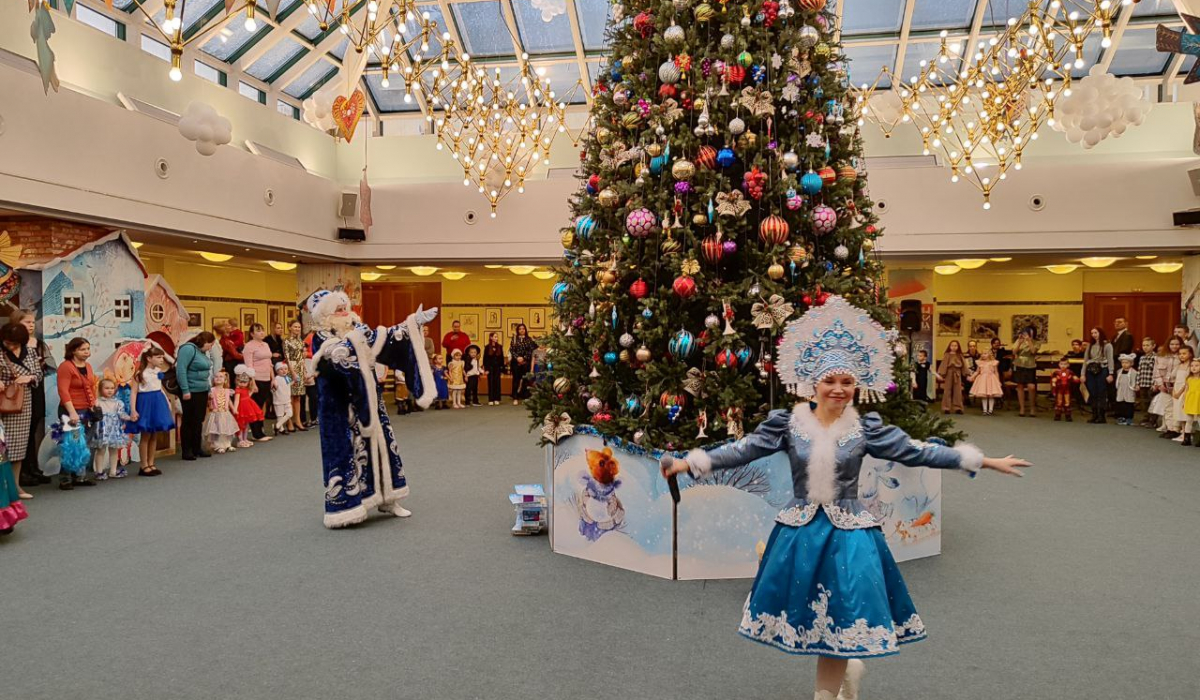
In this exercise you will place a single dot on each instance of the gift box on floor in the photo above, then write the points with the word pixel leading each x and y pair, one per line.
pixel 529 502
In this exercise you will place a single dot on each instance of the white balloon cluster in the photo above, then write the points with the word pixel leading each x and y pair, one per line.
pixel 550 8
pixel 318 110
pixel 1099 106
pixel 202 124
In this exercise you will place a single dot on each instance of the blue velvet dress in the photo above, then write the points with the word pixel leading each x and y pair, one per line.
pixel 827 584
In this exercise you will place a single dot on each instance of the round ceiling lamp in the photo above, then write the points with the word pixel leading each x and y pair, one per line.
pixel 543 274
pixel 971 263
pixel 385 267
pixel 493 267
pixel 423 270
pixel 521 269
pixel 138 244
pixel 369 276
pixel 1062 269
pixel 282 266
pixel 1166 267
pixel 1000 259
pixel 1147 257
pixel 215 257
pixel 454 275
pixel 1098 262
pixel 947 269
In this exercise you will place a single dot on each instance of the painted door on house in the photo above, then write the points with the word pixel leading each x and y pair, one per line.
pixel 387 304
pixel 1152 314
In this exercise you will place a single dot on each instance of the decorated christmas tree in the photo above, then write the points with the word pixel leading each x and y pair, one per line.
pixel 723 195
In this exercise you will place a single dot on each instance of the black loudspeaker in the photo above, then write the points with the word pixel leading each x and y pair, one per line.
pixel 910 315
pixel 352 235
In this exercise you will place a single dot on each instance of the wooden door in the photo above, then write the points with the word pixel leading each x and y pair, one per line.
pixel 1152 314
pixel 386 304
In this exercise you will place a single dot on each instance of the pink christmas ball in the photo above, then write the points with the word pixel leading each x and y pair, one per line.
pixel 824 219
pixel 640 223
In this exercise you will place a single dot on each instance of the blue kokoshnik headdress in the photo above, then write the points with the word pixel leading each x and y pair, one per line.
pixel 836 338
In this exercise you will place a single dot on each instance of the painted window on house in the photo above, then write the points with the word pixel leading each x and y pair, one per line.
pixel 72 305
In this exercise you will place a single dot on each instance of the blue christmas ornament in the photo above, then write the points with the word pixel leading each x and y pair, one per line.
pixel 819 93
pixel 758 73
pixel 647 313
pixel 614 317
pixel 813 80
pixel 744 356
pixel 673 412
pixel 610 358
pixel 725 157
pixel 633 405
pixel 681 345
pixel 828 266
pixel 614 71
pixel 811 183
pixel 711 211
pixel 559 292
pixel 659 162
pixel 585 225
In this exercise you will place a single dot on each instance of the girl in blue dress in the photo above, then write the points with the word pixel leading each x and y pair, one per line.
pixel 152 412
pixel 827 584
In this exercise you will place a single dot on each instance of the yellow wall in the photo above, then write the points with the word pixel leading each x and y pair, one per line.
pixel 982 294
pixel 219 291
pixel 515 296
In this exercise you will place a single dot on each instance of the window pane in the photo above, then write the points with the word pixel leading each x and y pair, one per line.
pixel 943 14
pixel 97 20
pixel 563 78
pixel 544 30
pixel 1137 55
pixel 483 29
pixel 316 75
pixel 593 20
pixel 872 17
pixel 287 109
pixel 227 43
pixel 275 58
pixel 156 48
pixel 209 73
pixel 251 92
pixel 928 51
pixel 1155 8
pixel 391 98
pixel 865 62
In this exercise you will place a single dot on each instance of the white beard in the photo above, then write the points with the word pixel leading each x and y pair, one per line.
pixel 341 325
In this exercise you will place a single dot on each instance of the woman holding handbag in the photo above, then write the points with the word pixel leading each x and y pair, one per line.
pixel 19 369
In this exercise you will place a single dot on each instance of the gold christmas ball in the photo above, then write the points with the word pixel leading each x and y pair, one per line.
pixel 698 104
pixel 796 254
pixel 683 169
pixel 643 354
pixel 704 12
pixel 671 245
pixel 604 134
pixel 568 238
pixel 868 244
pixel 561 385
pixel 822 51
pixel 631 120
pixel 624 356
pixel 747 140
pixel 847 173
pixel 654 150
pixel 775 271
pixel 609 197
pixel 608 277
pixel 699 219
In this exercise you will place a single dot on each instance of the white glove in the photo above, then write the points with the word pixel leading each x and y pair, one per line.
pixel 424 316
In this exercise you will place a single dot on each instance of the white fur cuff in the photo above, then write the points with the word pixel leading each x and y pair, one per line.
pixel 971 458
pixel 345 518
pixel 700 463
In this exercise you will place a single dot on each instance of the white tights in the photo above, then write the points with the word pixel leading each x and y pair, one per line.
pixel 105 459
pixel 988 403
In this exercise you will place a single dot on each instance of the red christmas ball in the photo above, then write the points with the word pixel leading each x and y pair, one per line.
pixel 806 300
pixel 666 91
pixel 684 286
pixel 812 5
pixel 713 249
pixel 639 289
pixel 735 74
pixel 870 230
pixel 667 399
pixel 644 24
pixel 727 358
pixel 706 157
pixel 822 298
pixel 828 175
pixel 773 230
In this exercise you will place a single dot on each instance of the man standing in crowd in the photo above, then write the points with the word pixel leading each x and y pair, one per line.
pixel 1004 357
pixel 430 347
pixel 1186 336
pixel 1122 344
pixel 455 340
pixel 1075 357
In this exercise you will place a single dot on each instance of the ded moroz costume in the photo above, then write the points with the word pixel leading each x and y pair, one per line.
pixel 827 584
pixel 359 454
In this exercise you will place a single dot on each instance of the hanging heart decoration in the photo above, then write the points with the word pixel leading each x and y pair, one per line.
pixel 347 112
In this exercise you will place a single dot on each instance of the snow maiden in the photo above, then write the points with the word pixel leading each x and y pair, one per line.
pixel 827 585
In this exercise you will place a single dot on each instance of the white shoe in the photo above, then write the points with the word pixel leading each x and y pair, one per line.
pixel 1178 439
pixel 399 511
pixel 855 670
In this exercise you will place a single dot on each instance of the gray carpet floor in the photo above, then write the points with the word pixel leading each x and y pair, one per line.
pixel 218 581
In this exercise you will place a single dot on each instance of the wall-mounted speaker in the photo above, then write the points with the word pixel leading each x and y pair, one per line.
pixel 348 205
pixel 351 235
pixel 910 314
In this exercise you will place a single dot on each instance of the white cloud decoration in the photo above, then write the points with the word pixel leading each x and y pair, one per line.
pixel 202 124
pixel 318 110
pixel 550 8
pixel 1099 106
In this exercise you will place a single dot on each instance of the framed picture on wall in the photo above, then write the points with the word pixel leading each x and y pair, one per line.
pixel 492 319
pixel 949 323
pixel 470 326
pixel 512 326
pixel 537 318
pixel 196 319
pixel 985 329
pixel 1040 323
pixel 274 315
pixel 249 318
pixel 219 321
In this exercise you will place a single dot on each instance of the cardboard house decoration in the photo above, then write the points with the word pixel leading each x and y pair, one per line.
pixel 166 316
pixel 97 291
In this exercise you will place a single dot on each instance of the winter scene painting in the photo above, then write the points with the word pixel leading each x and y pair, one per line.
pixel 97 291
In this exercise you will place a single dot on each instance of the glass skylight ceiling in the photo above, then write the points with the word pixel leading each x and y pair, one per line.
pixel 309 80
pixel 539 36
pixel 279 55
pixel 483 30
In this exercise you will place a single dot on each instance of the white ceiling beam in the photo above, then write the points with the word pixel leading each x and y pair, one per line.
pixel 905 31
pixel 577 35
pixel 1118 33
pixel 152 7
pixel 316 54
pixel 1171 75
pixel 282 29
pixel 451 26
pixel 973 37
pixel 510 21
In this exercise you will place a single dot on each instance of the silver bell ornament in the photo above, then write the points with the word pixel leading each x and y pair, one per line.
pixel 901 350
pixel 626 340
pixel 727 41
pixel 736 126
pixel 841 252
pixel 755 290
pixel 668 72
pixel 712 321
pixel 674 34
pixel 791 161
pixel 809 36
pixel 746 20
pixel 594 405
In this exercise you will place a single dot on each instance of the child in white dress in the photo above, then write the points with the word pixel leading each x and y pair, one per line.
pixel 281 396
pixel 220 426
pixel 108 432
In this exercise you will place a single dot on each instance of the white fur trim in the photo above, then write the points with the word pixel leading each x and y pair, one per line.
pixel 425 400
pixel 972 457
pixel 700 463
pixel 823 441
pixel 344 518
